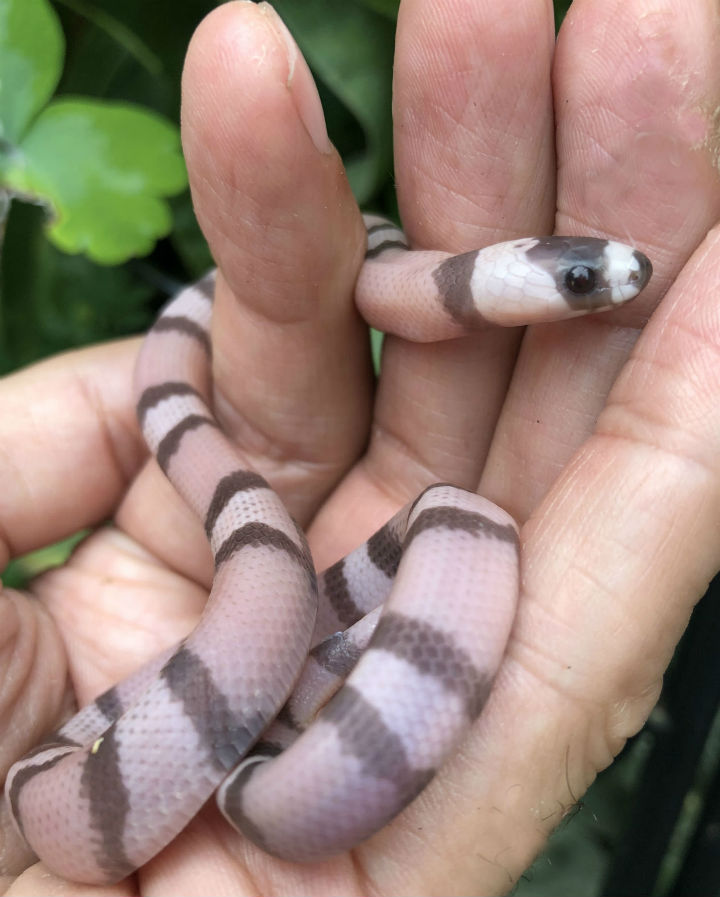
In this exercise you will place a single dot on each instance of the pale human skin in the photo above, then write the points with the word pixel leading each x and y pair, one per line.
pixel 603 440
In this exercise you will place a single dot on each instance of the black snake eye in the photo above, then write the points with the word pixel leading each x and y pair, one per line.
pixel 580 279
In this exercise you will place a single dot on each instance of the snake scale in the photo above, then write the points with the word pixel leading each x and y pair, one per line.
pixel 317 707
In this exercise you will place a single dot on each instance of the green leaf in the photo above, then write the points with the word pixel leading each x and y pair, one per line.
pixel 105 169
pixel 351 49
pixel 31 54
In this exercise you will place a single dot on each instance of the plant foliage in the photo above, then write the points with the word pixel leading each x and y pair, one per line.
pixel 90 154
pixel 101 168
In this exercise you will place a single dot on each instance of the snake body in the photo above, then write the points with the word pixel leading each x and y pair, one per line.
pixel 317 707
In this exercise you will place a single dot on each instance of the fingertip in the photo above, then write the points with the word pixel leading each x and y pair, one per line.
pixel 236 53
pixel 636 89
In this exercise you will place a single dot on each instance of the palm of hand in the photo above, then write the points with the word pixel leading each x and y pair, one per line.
pixel 475 164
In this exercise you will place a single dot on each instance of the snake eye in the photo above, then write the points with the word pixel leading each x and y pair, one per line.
pixel 580 279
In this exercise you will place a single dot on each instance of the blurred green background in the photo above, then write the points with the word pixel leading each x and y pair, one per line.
pixel 98 229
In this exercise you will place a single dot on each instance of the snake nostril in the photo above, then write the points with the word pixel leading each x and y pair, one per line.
pixel 644 269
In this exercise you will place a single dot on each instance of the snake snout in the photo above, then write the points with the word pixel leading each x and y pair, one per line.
pixel 642 270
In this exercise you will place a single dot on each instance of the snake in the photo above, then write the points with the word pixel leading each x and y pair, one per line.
pixel 316 707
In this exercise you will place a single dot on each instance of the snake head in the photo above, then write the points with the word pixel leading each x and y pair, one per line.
pixel 590 273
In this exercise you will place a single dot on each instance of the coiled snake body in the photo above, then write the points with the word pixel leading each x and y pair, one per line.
pixel 369 674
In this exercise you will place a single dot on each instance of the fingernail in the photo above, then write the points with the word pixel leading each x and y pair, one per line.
pixel 301 84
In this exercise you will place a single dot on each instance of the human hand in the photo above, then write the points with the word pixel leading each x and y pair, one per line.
pixel 619 539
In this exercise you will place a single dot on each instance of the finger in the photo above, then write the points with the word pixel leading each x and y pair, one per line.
pixel 621 549
pixel 33 695
pixel 457 65
pixel 32 659
pixel 290 353
pixel 70 445
pixel 474 164
pixel 637 137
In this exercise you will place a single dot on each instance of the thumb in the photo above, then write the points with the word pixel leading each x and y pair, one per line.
pixel 290 353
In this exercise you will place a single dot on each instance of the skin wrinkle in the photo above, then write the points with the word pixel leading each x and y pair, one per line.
pixel 464 129
pixel 553 442
pixel 269 429
pixel 616 159
pixel 277 310
pixel 635 410
pixel 446 443
pixel 434 157
pixel 705 468
pixel 259 446
pixel 656 28
pixel 599 129
pixel 389 487
pixel 382 452
pixel 489 206
pixel 124 471
pixel 642 571
pixel 647 79
pixel 383 439
pixel 680 326
pixel 295 481
pixel 590 727
pixel 552 668
pixel 260 437
pixel 98 585
pixel 476 206
pixel 628 418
